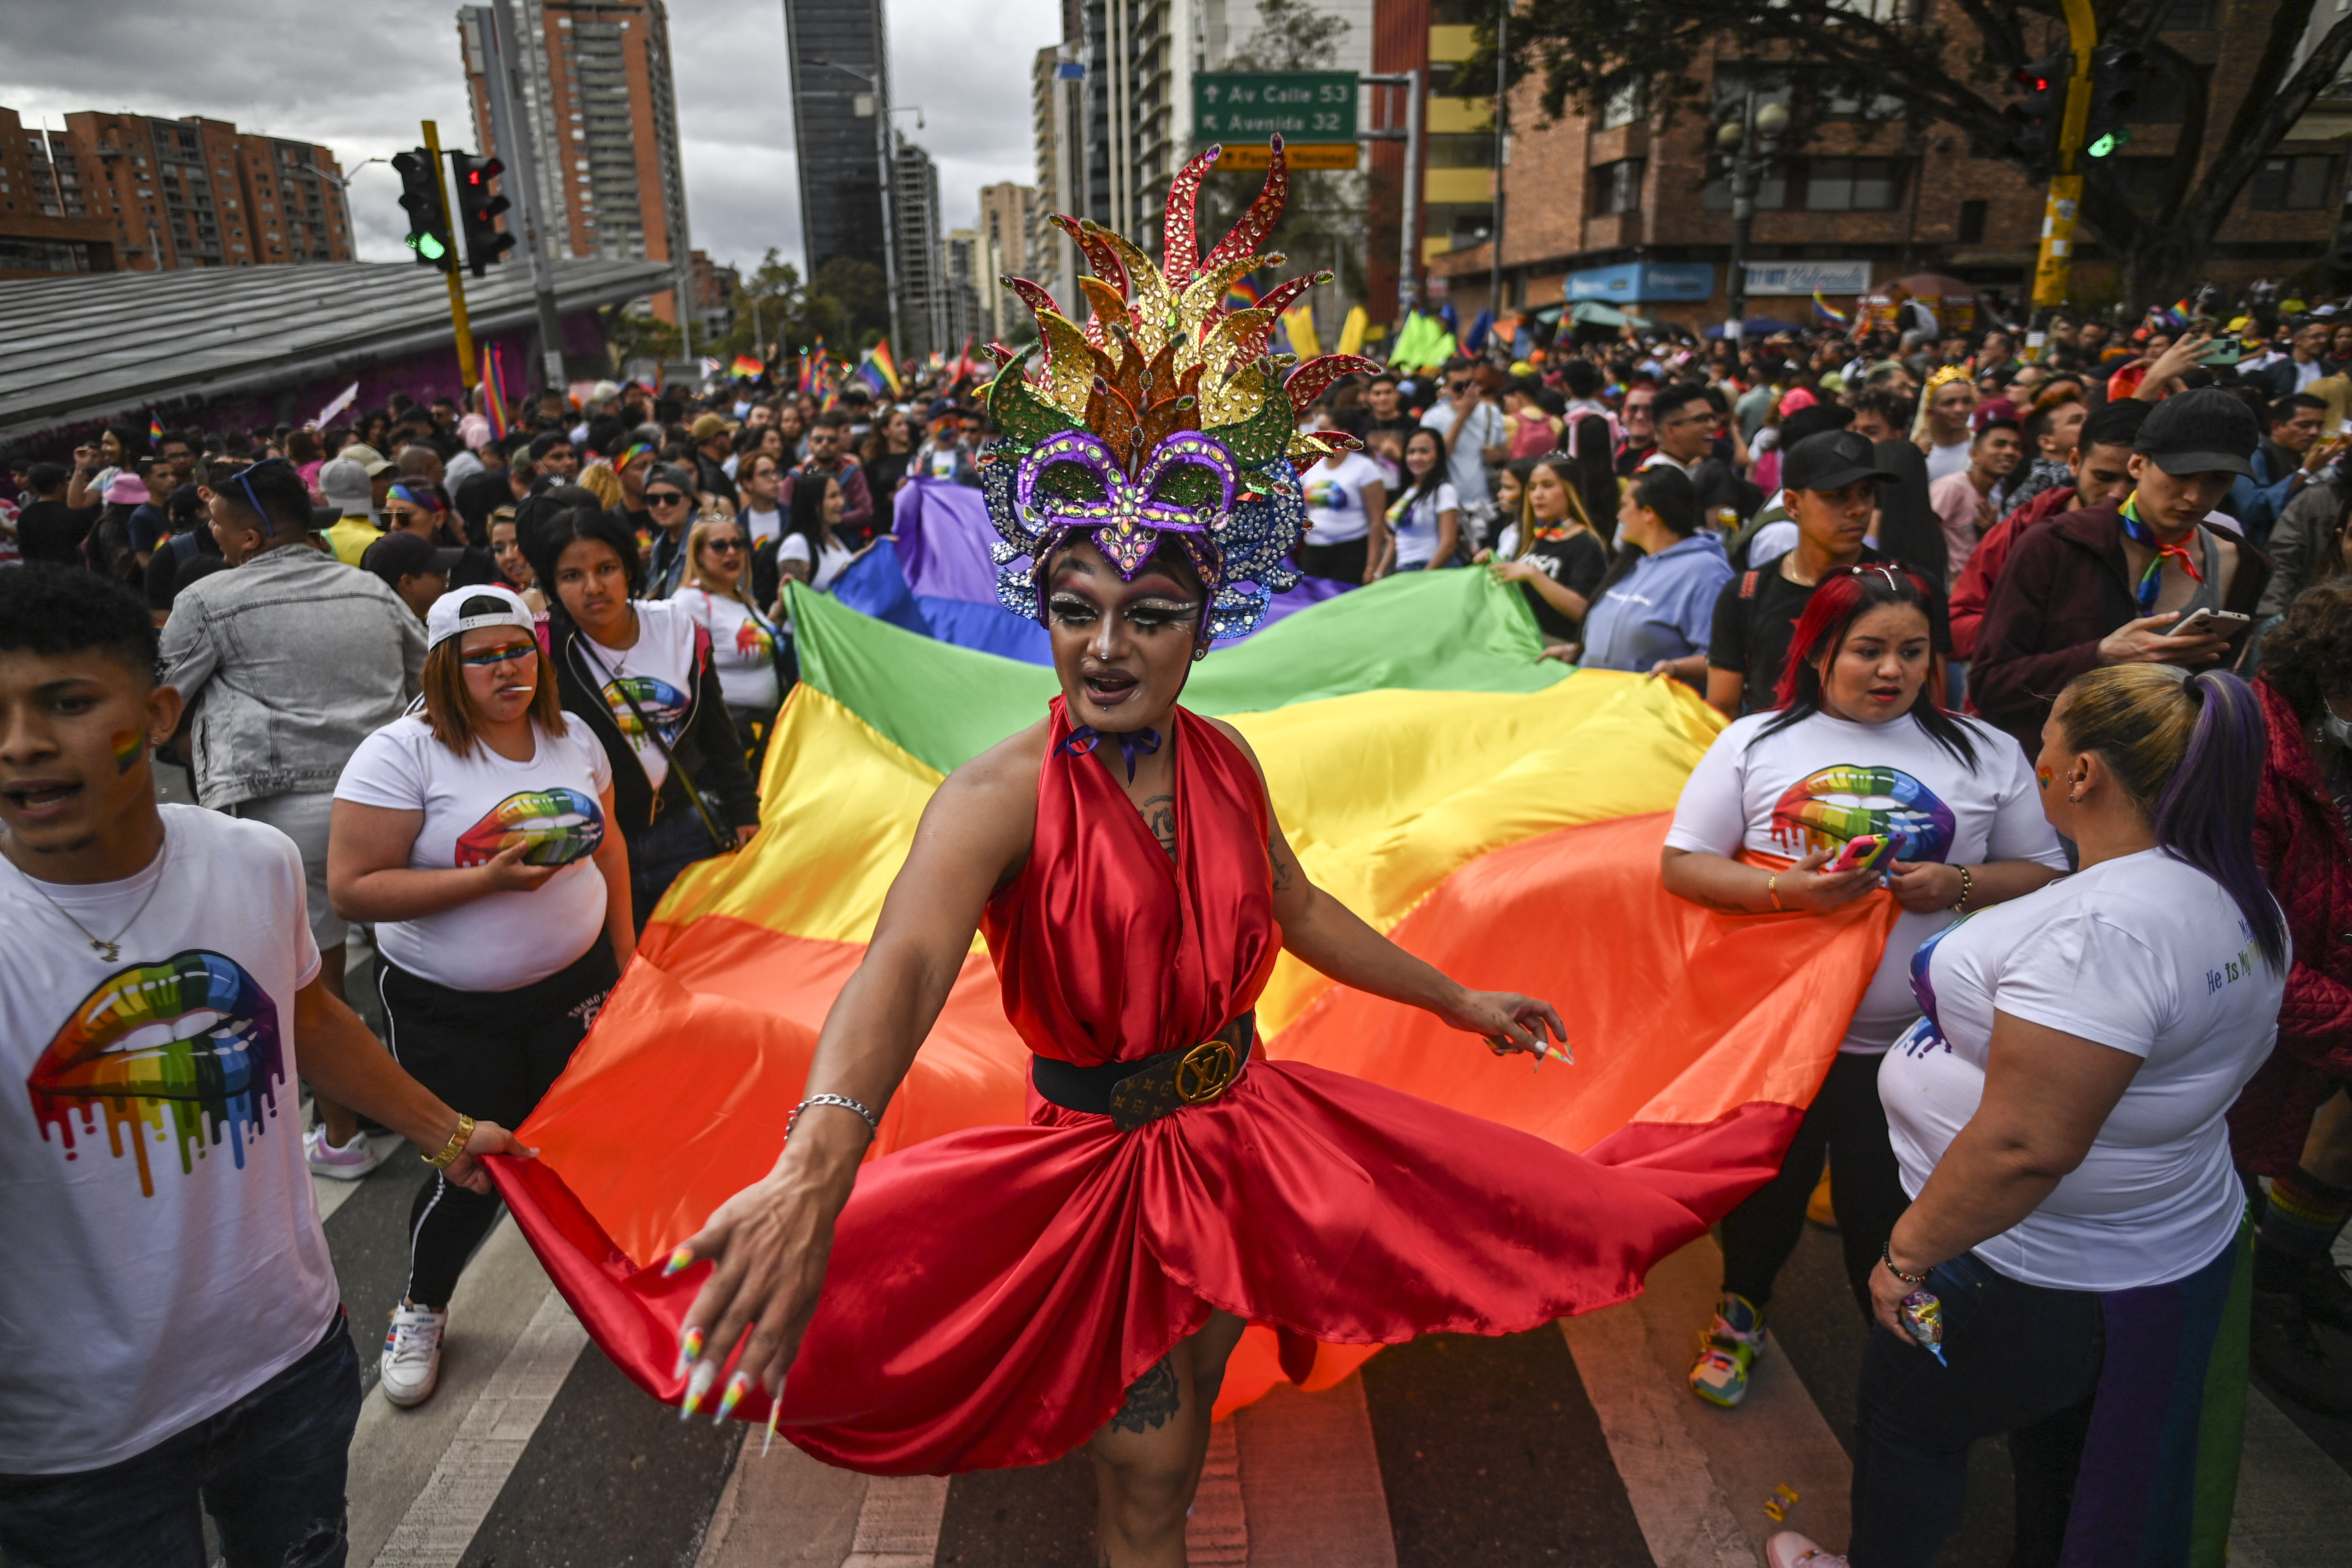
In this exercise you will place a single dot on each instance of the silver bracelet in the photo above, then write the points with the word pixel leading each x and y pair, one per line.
pixel 873 1122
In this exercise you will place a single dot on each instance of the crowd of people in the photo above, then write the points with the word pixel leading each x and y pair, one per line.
pixel 2062 642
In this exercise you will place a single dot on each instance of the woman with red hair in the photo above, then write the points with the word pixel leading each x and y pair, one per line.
pixel 1857 780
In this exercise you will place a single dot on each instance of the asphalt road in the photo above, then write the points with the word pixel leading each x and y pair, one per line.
pixel 1574 1444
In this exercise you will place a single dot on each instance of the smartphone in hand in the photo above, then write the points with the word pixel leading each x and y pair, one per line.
pixel 1861 853
pixel 2208 624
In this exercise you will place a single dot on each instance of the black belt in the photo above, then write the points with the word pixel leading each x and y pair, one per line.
pixel 1132 1093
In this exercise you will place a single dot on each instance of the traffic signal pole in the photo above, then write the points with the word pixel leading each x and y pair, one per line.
pixel 467 372
pixel 2054 270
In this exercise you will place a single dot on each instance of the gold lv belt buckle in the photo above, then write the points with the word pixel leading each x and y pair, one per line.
pixel 1204 1073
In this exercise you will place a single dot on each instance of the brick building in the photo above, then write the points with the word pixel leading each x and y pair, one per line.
pixel 1631 208
pixel 140 193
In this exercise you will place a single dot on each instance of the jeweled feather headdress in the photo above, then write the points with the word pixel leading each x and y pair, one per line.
pixel 1164 416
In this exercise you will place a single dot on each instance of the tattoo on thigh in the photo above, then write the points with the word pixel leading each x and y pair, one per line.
pixel 1151 1401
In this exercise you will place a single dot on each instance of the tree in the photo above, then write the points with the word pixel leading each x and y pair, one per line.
pixel 1323 223
pixel 847 299
pixel 1948 61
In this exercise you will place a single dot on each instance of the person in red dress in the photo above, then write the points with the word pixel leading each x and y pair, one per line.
pixel 999 1296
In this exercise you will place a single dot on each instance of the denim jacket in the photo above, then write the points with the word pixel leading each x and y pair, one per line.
pixel 292 659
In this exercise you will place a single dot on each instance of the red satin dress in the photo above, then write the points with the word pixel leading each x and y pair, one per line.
pixel 993 1293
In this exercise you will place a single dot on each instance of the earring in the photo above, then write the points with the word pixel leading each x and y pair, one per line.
pixel 1199 654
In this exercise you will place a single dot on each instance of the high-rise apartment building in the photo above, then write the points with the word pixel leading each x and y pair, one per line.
pixel 141 194
pixel 841 88
pixel 1006 212
pixel 965 271
pixel 915 234
pixel 601 108
pixel 1058 120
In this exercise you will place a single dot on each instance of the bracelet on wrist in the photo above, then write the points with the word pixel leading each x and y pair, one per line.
pixel 1967 892
pixel 452 1149
pixel 1887 1255
pixel 873 1122
pixel 1772 892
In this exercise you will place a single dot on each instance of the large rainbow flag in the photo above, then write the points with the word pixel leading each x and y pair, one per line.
pixel 1497 814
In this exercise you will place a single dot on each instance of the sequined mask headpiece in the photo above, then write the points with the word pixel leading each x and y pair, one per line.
pixel 1164 418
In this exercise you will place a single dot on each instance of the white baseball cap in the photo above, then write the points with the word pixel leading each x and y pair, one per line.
pixel 483 604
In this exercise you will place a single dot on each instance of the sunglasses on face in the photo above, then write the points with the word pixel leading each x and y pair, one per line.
pixel 731 546
pixel 663 498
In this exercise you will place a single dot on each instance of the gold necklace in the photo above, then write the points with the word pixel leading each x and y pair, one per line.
pixel 109 951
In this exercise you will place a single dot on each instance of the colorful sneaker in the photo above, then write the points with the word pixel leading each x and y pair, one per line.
pixel 347 1163
pixel 1727 1351
pixel 411 1365
pixel 1790 1550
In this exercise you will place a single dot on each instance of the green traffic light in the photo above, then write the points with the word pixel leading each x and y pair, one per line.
pixel 427 245
pixel 2106 143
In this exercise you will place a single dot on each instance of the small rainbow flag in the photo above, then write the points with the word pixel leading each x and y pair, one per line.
pixel 494 393
pixel 154 429
pixel 748 367
pixel 1834 317
pixel 879 371
pixel 1242 295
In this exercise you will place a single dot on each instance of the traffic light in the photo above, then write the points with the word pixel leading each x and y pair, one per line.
pixel 428 225
pixel 478 210
pixel 2119 77
pixel 2033 120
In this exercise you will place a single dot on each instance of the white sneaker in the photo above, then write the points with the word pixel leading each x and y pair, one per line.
pixel 411 1364
pixel 347 1163
pixel 1790 1550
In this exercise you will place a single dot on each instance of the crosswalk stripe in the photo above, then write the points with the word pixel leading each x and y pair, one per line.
pixel 394 1452
pixel 783 1510
pixel 1310 1480
pixel 440 1524
pixel 899 1522
pixel 1217 1534
pixel 332 1195
pixel 1698 1478
pixel 2294 1503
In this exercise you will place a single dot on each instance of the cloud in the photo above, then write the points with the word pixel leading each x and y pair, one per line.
pixel 359 80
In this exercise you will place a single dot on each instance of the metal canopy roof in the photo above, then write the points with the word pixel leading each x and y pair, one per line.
pixel 102 345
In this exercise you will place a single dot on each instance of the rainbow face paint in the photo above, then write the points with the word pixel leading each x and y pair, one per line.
pixel 128 748
pixel 2042 775
pixel 191 1040
pixel 1825 809
pixel 556 827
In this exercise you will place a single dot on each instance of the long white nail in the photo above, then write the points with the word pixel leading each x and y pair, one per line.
pixel 706 1373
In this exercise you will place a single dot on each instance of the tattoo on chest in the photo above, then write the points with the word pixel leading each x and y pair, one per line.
pixel 1160 815
pixel 1151 1401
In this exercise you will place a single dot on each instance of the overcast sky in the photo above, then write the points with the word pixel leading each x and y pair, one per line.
pixel 357 78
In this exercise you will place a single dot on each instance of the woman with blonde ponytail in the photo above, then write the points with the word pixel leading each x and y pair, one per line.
pixel 2058 1114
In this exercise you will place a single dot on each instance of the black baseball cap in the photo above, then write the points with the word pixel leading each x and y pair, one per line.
pixel 404 554
pixel 1830 462
pixel 2207 431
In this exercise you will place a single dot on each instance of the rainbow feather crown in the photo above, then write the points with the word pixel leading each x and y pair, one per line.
pixel 1164 417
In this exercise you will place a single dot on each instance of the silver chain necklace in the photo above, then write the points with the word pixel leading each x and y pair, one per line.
pixel 109 951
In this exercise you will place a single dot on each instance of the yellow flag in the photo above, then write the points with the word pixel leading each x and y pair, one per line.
pixel 1351 330
pixel 1299 322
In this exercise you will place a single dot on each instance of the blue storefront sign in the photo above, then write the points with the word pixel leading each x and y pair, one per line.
pixel 1632 281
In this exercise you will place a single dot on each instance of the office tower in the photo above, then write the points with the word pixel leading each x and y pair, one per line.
pixel 598 96
pixel 138 193
pixel 922 285
pixel 840 111
pixel 964 263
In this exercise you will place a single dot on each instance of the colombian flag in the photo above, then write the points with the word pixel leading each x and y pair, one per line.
pixel 1498 815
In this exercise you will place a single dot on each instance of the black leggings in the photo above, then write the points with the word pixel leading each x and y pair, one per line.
pixel 1846 1123
pixel 1344 562
pixel 490 1053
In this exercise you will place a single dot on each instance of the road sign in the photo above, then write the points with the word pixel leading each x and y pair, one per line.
pixel 1252 155
pixel 1306 107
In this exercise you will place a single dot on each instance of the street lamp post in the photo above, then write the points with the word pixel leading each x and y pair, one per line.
pixel 876 98
pixel 1747 139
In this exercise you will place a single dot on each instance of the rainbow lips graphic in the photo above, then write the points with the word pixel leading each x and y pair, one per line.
pixel 1844 801
pixel 752 641
pixel 663 703
pixel 193 1038
pixel 560 826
